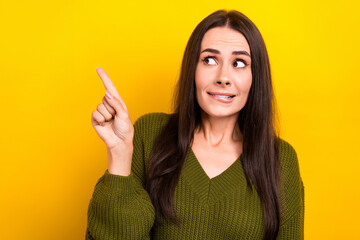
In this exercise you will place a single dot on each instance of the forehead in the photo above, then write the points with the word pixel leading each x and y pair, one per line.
pixel 224 38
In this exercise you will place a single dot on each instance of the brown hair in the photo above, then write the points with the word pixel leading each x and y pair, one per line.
pixel 256 121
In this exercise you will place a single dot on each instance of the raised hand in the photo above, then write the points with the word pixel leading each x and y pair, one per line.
pixel 112 123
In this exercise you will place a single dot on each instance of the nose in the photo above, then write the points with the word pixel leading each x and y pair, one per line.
pixel 223 79
pixel 223 82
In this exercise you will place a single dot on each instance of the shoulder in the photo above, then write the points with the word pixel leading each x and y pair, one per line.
pixel 289 164
pixel 288 155
pixel 148 126
pixel 152 121
pixel 146 130
pixel 153 118
pixel 292 188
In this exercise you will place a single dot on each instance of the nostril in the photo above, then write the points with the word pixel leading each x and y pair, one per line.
pixel 218 82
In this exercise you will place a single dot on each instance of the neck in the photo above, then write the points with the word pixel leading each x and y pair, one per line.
pixel 219 130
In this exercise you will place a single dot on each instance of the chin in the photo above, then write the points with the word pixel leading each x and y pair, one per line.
pixel 220 113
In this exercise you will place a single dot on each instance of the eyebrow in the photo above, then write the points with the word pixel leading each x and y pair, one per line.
pixel 233 53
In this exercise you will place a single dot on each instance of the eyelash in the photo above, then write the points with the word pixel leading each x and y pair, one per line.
pixel 238 59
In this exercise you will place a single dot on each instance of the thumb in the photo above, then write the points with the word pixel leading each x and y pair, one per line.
pixel 117 104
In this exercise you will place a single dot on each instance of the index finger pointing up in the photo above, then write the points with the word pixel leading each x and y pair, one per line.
pixel 109 85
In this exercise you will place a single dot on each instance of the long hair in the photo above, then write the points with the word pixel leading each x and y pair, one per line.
pixel 260 157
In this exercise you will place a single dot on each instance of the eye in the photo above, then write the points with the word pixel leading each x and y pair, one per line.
pixel 209 60
pixel 239 63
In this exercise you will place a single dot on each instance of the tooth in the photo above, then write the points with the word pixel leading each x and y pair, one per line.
pixel 223 96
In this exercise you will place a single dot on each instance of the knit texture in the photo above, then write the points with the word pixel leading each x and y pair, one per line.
pixel 222 207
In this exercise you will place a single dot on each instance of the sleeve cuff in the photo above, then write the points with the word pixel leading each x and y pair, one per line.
pixel 118 182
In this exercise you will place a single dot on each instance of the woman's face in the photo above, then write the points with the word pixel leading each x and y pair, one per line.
pixel 223 74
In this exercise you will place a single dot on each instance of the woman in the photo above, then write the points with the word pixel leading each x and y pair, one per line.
pixel 215 168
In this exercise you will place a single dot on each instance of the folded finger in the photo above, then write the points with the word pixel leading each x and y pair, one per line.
pixel 108 107
pixel 104 112
pixel 97 117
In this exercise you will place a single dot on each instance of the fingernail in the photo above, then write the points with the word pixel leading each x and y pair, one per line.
pixel 108 95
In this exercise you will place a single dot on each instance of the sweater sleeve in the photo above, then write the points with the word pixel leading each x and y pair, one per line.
pixel 292 197
pixel 120 207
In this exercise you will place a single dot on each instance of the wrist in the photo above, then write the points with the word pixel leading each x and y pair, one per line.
pixel 121 150
pixel 119 161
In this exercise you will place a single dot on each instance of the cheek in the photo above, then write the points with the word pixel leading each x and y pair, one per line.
pixel 249 83
pixel 204 76
pixel 245 83
pixel 200 80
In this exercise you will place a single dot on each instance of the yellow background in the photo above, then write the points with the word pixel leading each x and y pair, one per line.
pixel 51 157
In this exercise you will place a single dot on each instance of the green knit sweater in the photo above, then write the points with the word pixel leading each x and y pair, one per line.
pixel 223 207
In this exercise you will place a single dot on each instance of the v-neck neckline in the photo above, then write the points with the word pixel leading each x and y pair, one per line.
pixel 212 190
pixel 228 170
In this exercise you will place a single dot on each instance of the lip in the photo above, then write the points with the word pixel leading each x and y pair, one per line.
pixel 221 93
pixel 220 99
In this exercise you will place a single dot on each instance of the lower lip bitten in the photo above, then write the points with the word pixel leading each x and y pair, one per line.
pixel 222 99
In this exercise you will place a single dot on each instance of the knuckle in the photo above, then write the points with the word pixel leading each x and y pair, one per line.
pixel 108 117
pixel 110 109
pixel 97 116
pixel 105 114
pixel 100 106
